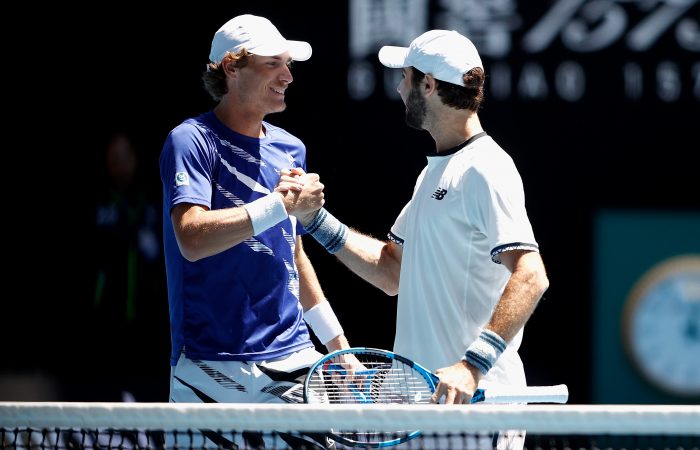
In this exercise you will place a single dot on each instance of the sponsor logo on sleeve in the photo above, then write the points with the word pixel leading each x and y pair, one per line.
pixel 182 179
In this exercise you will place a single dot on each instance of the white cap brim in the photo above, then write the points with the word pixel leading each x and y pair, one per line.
pixel 393 57
pixel 298 50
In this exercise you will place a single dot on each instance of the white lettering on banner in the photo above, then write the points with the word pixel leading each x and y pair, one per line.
pixel 500 80
pixel 570 81
pixel 533 83
pixel 488 23
pixel 385 22
pixel 634 81
pixel 376 23
pixel 360 80
pixel 630 29
pixel 668 86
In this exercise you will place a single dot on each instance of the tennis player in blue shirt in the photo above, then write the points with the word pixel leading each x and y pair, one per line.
pixel 241 289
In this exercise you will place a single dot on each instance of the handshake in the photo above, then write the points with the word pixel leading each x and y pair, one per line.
pixel 298 194
pixel 302 193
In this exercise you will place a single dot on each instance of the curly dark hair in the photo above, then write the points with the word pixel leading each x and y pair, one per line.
pixel 214 78
pixel 470 96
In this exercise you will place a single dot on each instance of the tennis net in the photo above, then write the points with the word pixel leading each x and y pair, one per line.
pixel 159 426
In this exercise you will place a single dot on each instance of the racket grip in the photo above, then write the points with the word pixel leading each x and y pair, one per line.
pixel 518 394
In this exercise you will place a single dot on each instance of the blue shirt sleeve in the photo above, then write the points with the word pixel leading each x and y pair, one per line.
pixel 186 167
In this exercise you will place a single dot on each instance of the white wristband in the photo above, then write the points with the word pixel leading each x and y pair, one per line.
pixel 266 212
pixel 323 322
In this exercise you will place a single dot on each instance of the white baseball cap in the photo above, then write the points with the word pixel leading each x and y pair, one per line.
pixel 446 55
pixel 257 35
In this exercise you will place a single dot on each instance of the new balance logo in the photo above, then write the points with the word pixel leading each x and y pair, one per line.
pixel 439 194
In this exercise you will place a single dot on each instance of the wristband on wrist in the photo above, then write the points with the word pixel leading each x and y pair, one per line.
pixel 323 322
pixel 485 350
pixel 266 212
pixel 328 231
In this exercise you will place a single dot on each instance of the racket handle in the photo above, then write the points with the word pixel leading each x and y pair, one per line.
pixel 522 394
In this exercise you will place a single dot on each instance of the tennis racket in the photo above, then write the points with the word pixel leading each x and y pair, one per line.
pixel 387 378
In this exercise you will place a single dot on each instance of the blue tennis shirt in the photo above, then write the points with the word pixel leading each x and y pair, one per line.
pixel 241 304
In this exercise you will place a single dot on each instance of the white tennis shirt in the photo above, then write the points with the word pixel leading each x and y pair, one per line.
pixel 467 208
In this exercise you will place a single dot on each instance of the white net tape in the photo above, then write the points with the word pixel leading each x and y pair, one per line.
pixel 545 419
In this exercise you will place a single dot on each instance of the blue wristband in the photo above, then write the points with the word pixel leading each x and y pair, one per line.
pixel 328 231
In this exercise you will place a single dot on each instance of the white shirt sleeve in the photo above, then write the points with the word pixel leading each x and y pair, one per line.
pixel 500 196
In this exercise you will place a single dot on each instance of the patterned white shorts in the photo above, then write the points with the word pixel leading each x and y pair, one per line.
pixel 272 381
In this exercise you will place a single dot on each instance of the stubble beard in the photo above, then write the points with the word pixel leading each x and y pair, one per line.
pixel 415 110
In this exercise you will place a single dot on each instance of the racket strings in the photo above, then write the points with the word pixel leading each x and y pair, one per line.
pixel 376 381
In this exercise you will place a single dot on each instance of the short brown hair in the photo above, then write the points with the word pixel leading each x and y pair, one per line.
pixel 470 96
pixel 214 77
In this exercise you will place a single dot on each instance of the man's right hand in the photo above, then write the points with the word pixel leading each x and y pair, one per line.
pixel 302 193
pixel 457 383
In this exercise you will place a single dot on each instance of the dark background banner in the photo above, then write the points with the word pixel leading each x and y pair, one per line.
pixel 598 103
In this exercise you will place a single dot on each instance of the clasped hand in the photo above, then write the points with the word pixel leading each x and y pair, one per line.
pixel 301 192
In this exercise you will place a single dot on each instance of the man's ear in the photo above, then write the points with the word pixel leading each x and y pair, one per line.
pixel 229 66
pixel 429 84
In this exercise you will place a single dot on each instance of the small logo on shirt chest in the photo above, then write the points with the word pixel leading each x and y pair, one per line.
pixel 439 194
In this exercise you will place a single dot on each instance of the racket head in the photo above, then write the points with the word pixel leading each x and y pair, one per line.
pixel 383 378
